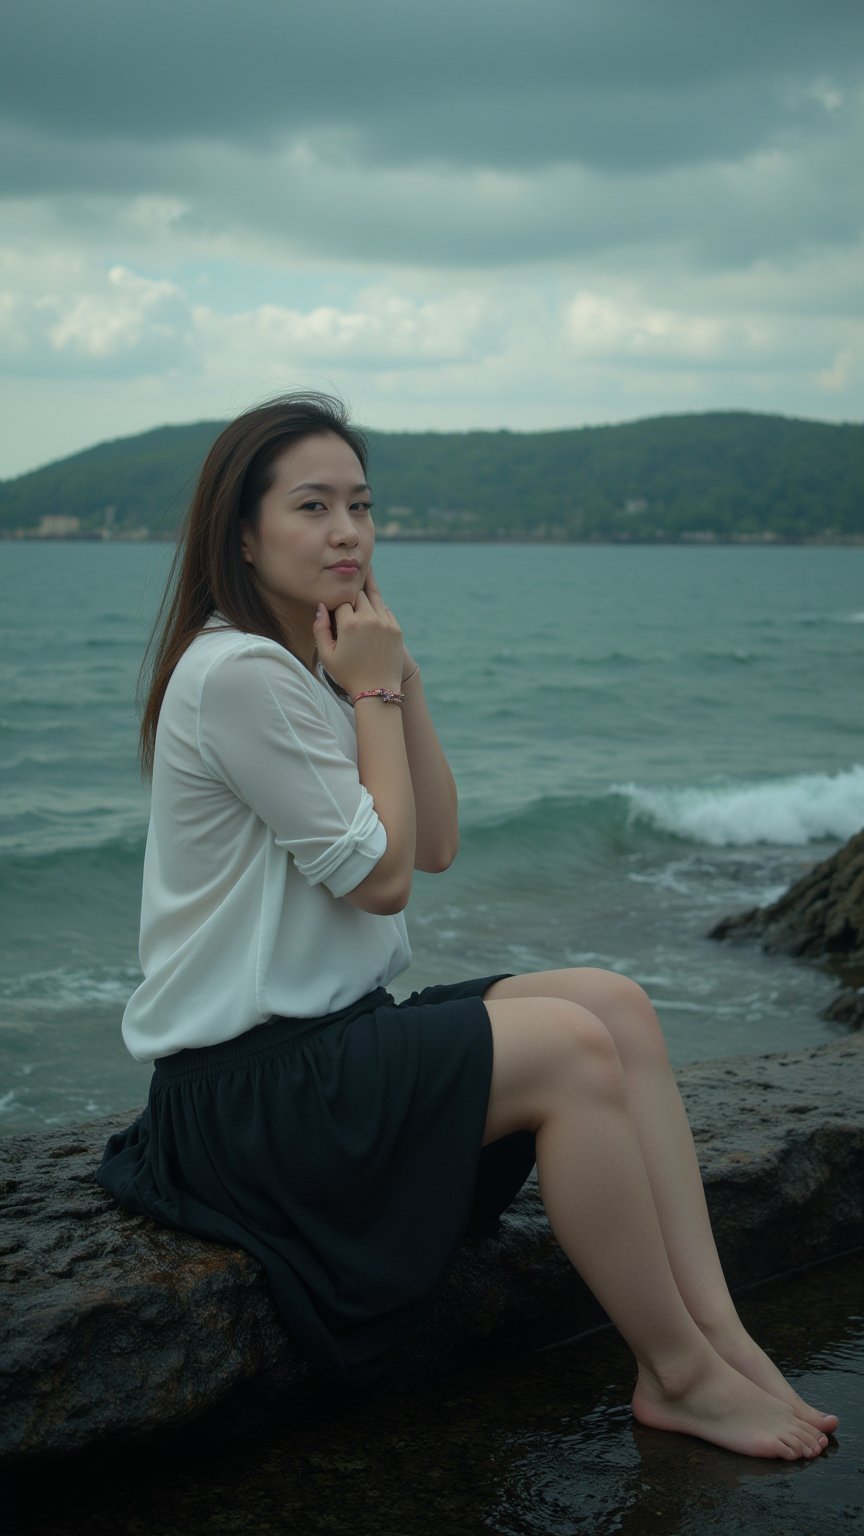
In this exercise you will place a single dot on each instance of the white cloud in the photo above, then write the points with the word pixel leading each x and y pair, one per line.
pixel 380 329
pixel 133 312
pixel 827 95
pixel 132 324
pixel 602 326
pixel 151 217
pixel 836 378
pixel 126 324
pixel 527 349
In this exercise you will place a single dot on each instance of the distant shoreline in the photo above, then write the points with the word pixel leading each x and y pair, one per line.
pixel 744 541
pixel 719 478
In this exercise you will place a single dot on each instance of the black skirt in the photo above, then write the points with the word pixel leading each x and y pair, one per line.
pixel 344 1152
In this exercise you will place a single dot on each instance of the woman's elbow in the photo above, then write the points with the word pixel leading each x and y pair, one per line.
pixel 435 860
pixel 437 865
pixel 390 901
pixel 382 897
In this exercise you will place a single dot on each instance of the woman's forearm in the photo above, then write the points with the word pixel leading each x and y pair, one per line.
pixel 382 763
pixel 434 786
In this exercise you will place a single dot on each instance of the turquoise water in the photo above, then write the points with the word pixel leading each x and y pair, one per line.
pixel 644 740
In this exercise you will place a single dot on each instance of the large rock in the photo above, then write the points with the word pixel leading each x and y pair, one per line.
pixel 847 1008
pixel 114 1327
pixel 820 917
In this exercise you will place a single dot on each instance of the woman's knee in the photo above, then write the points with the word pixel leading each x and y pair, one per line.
pixel 630 1017
pixel 623 1006
pixel 585 1058
pixel 573 1037
pixel 548 1050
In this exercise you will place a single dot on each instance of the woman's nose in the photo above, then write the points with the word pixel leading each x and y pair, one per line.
pixel 344 529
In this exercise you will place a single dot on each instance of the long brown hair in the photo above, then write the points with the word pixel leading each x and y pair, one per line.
pixel 208 571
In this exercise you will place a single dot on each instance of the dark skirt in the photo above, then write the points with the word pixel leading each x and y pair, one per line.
pixel 345 1153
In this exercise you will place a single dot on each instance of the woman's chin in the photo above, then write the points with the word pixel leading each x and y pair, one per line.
pixel 341 589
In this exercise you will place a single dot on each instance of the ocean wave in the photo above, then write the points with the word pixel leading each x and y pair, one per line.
pixel 625 659
pixel 719 656
pixel 9 1104
pixel 112 643
pixel 64 986
pixel 581 831
pixel 71 866
pixel 790 812
pixel 482 823
pixel 33 758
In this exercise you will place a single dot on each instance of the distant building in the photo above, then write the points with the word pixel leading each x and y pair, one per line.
pixel 56 525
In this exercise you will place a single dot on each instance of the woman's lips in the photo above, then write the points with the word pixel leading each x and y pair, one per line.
pixel 345 568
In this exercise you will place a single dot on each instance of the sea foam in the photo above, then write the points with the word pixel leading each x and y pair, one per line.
pixel 791 811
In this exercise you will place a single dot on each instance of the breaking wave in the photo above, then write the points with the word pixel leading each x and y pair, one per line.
pixel 792 811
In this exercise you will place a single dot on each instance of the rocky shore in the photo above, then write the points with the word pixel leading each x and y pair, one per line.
pixel 114 1329
pixel 820 918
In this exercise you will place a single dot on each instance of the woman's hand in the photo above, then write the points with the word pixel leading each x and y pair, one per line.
pixel 409 665
pixel 361 643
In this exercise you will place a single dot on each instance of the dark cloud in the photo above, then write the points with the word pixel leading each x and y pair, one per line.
pixel 615 84
pixel 314 204
pixel 660 200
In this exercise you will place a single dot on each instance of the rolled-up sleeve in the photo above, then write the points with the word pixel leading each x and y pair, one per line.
pixel 263 731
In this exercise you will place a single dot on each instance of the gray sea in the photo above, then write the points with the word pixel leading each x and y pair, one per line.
pixel 644 739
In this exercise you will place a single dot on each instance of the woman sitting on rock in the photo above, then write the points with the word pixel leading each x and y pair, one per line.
pixel 296 1110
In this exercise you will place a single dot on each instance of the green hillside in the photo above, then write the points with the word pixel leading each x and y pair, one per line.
pixel 720 475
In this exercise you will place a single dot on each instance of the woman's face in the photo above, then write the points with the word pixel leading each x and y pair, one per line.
pixel 314 538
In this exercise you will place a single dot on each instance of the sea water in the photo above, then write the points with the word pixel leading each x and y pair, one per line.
pixel 645 739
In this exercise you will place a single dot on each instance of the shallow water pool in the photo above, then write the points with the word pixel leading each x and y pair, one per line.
pixel 540 1445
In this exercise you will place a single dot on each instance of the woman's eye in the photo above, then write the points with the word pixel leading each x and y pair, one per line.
pixel 313 506
pixel 361 506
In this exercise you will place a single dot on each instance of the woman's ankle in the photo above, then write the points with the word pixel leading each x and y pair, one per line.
pixel 724 1330
pixel 674 1373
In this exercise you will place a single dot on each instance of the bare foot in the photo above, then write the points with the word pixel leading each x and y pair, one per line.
pixel 709 1399
pixel 736 1347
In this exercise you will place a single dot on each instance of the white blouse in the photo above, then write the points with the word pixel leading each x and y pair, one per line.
pixel 258 825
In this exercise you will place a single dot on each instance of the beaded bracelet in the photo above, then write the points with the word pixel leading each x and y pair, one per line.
pixel 386 694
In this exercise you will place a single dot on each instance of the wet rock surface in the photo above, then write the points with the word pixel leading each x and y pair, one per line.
pixel 847 1008
pixel 820 917
pixel 114 1328
pixel 538 1444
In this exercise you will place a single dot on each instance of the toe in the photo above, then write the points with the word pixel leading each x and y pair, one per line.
pixel 792 1448
pixel 818 1420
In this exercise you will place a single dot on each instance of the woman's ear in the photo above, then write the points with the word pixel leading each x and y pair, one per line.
pixel 245 545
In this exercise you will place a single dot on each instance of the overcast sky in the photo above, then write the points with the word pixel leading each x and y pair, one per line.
pixel 474 213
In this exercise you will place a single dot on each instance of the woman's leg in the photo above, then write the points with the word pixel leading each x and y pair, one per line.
pixel 666 1143
pixel 557 1072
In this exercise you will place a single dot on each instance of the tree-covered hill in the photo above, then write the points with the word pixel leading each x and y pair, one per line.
pixel 720 475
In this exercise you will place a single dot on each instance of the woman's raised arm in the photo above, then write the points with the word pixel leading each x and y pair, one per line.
pixel 434 786
pixel 435 802
pixel 362 652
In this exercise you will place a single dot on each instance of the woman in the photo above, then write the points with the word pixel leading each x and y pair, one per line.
pixel 296 1110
